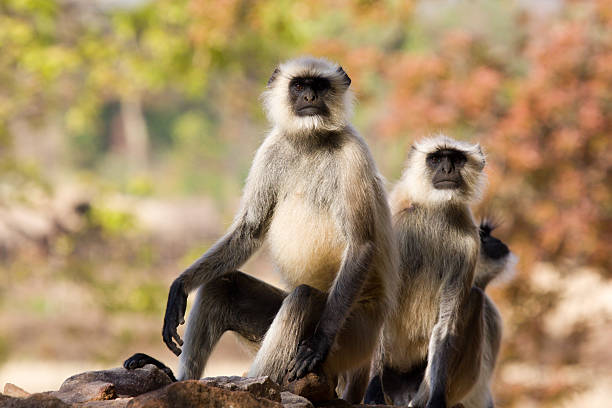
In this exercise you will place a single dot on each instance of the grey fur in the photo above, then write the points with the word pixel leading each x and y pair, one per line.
pixel 315 196
pixel 441 319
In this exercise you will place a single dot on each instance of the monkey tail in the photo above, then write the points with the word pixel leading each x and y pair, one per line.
pixel 496 261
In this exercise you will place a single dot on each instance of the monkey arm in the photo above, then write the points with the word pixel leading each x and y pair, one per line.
pixel 226 255
pixel 230 252
pixel 347 286
pixel 453 300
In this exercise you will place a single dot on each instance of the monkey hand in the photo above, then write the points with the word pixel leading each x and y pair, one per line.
pixel 310 353
pixel 175 315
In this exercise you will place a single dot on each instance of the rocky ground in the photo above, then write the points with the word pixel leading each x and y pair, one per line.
pixel 150 387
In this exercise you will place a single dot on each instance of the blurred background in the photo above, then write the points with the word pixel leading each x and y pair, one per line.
pixel 127 128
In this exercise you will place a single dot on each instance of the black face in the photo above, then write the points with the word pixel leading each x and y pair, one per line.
pixel 446 165
pixel 308 96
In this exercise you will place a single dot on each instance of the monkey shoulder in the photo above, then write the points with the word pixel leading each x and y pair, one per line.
pixel 358 168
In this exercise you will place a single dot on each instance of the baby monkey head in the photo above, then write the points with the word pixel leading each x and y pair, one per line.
pixel 442 169
pixel 308 94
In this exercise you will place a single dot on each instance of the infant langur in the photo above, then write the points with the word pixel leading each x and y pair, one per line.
pixel 441 342
pixel 315 196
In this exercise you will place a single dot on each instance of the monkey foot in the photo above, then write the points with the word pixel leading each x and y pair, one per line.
pixel 140 360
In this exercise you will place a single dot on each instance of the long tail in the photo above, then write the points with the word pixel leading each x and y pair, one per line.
pixel 496 261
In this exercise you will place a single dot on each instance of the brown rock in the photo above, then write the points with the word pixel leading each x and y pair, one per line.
pixel 115 403
pixel 313 387
pixel 126 382
pixel 41 400
pixel 76 391
pixel 261 387
pixel 14 391
pixel 193 393
pixel 290 400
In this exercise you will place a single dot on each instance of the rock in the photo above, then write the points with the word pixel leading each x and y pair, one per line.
pixel 261 387
pixel 116 403
pixel 76 391
pixel 14 391
pixel 126 382
pixel 313 387
pixel 194 393
pixel 41 400
pixel 290 400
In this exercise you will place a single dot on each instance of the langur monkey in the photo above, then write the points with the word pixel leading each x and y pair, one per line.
pixel 440 343
pixel 315 197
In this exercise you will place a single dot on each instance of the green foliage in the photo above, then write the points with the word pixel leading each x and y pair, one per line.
pixel 111 222
pixel 140 185
pixel 143 298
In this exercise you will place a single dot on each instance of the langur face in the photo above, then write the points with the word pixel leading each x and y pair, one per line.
pixel 446 165
pixel 308 95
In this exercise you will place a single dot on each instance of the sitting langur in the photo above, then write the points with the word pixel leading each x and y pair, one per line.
pixel 315 196
pixel 441 342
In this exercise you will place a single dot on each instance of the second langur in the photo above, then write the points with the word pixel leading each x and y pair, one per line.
pixel 315 195
pixel 441 342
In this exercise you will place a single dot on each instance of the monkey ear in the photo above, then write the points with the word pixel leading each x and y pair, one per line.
pixel 345 77
pixel 411 152
pixel 274 75
pixel 484 160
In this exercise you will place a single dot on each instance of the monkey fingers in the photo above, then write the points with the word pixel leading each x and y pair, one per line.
pixel 175 313
pixel 306 359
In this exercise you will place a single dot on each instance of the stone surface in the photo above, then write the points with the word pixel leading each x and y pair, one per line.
pixel 290 400
pixel 313 387
pixel 126 382
pixel 117 388
pixel 261 387
pixel 115 403
pixel 33 401
pixel 193 393
pixel 14 391
pixel 77 391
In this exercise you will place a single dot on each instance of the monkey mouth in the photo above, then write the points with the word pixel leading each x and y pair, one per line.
pixel 446 184
pixel 310 111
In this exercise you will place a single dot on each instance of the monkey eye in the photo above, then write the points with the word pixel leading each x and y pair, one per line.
pixel 299 87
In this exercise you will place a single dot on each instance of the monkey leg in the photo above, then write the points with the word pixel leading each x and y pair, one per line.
pixel 399 386
pixel 374 393
pixel 234 301
pixel 480 396
pixel 356 383
pixel 466 360
pixel 354 348
pixel 296 320
pixel 458 358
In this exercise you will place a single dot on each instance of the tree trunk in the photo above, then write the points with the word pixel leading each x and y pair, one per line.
pixel 135 132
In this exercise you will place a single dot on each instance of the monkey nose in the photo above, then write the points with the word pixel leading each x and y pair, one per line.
pixel 310 97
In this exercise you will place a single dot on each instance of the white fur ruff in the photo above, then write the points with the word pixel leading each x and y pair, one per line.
pixel 339 99
pixel 420 190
